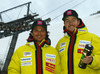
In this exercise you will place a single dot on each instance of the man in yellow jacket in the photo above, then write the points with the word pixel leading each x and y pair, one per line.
pixel 36 56
pixel 72 45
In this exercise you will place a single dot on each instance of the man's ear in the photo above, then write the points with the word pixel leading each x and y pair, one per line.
pixel 64 23
pixel 31 33
pixel 78 22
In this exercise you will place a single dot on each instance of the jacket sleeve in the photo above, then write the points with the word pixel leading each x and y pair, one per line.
pixel 57 47
pixel 14 66
pixel 58 65
pixel 95 42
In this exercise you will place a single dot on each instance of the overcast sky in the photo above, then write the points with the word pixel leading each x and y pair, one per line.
pixel 42 7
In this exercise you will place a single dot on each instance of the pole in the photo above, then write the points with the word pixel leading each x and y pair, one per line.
pixel 10 53
pixel 14 7
pixel 28 8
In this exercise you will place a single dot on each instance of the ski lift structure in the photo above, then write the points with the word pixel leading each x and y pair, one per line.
pixel 13 28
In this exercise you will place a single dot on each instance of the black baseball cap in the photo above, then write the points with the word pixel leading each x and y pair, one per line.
pixel 69 12
pixel 39 23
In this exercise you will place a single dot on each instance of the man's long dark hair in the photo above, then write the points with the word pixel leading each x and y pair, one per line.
pixel 30 36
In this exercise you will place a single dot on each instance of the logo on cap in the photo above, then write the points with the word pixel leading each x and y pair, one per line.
pixel 69 12
pixel 39 22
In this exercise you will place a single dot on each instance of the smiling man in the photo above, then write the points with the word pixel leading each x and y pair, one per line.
pixel 37 56
pixel 72 45
pixel 71 23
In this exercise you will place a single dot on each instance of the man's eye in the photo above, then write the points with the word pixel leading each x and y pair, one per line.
pixel 67 21
pixel 42 30
pixel 73 20
pixel 35 30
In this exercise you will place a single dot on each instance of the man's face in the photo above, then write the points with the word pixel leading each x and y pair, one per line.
pixel 71 23
pixel 39 33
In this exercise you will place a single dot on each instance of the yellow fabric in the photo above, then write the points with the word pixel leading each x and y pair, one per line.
pixel 41 42
pixel 24 60
pixel 83 28
pixel 82 38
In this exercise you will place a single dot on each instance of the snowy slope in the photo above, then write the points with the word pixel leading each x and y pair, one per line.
pixel 93 24
pixel 56 32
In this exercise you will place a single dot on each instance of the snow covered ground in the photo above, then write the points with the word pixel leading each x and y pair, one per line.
pixel 56 32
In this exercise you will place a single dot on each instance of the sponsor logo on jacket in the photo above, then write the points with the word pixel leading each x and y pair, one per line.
pixel 50 60
pixel 50 67
pixel 26 64
pixel 62 44
pixel 84 42
pixel 27 53
pixel 81 30
pixel 81 46
pixel 50 70
pixel 62 49
pixel 26 59
pixel 80 51
pixel 50 55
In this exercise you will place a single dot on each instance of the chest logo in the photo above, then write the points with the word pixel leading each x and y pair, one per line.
pixel 84 42
pixel 62 44
pixel 81 46
pixel 26 59
pixel 50 67
pixel 26 64
pixel 50 60
pixel 50 56
pixel 27 53
pixel 80 51
pixel 61 50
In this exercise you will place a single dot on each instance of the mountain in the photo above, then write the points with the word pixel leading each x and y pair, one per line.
pixel 92 23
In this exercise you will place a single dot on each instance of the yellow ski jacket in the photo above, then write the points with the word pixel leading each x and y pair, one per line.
pixel 28 59
pixel 82 26
pixel 71 47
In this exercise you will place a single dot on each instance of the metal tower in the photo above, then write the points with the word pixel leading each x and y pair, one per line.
pixel 13 28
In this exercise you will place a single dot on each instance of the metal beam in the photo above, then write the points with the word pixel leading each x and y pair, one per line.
pixel 28 8
pixel 15 7
pixel 10 53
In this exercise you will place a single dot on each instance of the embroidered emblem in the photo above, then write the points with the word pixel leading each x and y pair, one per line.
pixel 61 50
pixel 26 59
pixel 50 67
pixel 50 55
pixel 39 23
pixel 80 51
pixel 62 44
pixel 81 46
pixel 26 63
pixel 84 42
pixel 81 30
pixel 50 70
pixel 27 53
pixel 69 12
pixel 50 60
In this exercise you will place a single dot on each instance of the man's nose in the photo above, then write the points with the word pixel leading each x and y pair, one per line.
pixel 70 22
pixel 39 32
